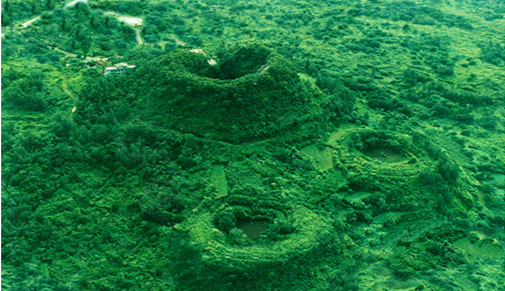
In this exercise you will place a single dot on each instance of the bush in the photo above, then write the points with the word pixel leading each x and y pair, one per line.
pixel 225 220
pixel 42 59
pixel 121 44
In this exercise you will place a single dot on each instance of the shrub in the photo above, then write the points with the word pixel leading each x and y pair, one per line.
pixel 225 220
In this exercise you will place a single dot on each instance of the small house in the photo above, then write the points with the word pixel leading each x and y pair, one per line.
pixel 117 69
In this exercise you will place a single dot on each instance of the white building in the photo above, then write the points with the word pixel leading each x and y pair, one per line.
pixel 117 69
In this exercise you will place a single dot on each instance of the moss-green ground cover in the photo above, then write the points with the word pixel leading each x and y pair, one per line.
pixel 358 143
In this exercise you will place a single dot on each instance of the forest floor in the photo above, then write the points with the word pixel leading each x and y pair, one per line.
pixel 72 55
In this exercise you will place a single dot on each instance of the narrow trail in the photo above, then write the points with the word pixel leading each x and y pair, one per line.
pixel 75 2
pixel 30 21
pixel 66 90
pixel 139 38
pixel 72 55
pixel 69 92
pixel 178 41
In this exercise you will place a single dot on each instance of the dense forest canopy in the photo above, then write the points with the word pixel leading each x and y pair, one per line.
pixel 253 145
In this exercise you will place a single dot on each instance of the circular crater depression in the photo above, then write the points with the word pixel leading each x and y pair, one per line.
pixel 383 146
pixel 247 230
pixel 218 246
pixel 251 93
pixel 242 224
pixel 236 64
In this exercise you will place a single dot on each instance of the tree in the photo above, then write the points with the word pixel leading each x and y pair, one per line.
pixel 66 23
pixel 36 8
pixel 6 6
pixel 225 220
pixel 51 4
pixel 85 45
pixel 96 21
pixel 6 20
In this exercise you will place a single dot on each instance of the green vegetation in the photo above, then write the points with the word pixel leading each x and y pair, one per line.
pixel 257 145
pixel 251 93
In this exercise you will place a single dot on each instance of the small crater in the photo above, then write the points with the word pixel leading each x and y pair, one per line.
pixel 252 229
pixel 385 154
pixel 245 61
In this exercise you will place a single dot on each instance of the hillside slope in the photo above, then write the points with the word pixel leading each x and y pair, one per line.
pixel 256 145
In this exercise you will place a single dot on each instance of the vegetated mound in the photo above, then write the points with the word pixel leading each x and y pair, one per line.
pixel 251 93
pixel 391 163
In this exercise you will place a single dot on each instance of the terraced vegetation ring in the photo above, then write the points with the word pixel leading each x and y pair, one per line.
pixel 310 230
